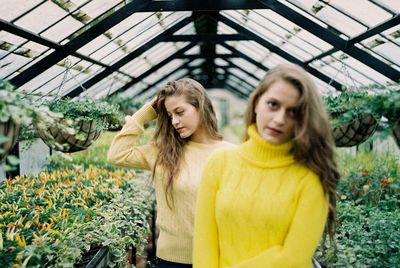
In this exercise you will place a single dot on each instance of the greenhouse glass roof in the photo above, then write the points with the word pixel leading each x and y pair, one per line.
pixel 97 48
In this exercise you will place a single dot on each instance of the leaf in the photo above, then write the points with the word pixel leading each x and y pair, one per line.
pixel 3 139
pixel 12 160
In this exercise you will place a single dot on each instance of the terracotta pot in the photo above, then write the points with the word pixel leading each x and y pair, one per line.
pixel 10 130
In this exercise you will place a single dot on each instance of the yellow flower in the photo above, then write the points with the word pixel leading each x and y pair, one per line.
pixel 343 197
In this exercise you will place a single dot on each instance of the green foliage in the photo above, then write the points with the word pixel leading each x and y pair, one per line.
pixel 127 105
pixel 368 213
pixel 370 179
pixel 346 106
pixel 51 219
pixel 19 109
pixel 85 109
pixel 366 237
pixel 351 103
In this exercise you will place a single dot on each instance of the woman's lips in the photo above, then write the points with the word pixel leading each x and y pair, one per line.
pixel 275 131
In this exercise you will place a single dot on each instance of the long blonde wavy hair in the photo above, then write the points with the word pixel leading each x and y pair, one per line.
pixel 313 143
pixel 167 139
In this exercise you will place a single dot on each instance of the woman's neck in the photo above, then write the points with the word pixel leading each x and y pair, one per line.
pixel 201 136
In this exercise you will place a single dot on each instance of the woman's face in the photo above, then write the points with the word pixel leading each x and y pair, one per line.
pixel 184 117
pixel 276 112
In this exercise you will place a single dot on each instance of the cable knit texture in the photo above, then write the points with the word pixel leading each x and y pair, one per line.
pixel 258 207
pixel 176 226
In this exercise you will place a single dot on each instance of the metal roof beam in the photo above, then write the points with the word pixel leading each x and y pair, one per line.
pixel 132 55
pixel 333 39
pixel 280 52
pixel 163 78
pixel 204 5
pixel 30 36
pixel 394 21
pixel 233 65
pixel 155 68
pixel 79 41
pixel 207 37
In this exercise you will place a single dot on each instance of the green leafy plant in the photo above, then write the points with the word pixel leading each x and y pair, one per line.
pixel 85 109
pixel 347 106
pixel 370 179
pixel 366 237
pixel 378 101
pixel 18 110
pixel 52 219
pixel 125 104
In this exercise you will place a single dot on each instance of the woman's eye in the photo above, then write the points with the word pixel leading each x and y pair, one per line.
pixel 292 113
pixel 272 104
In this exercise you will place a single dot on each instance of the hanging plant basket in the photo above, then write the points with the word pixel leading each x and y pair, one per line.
pixel 396 132
pixel 9 130
pixel 356 131
pixel 60 139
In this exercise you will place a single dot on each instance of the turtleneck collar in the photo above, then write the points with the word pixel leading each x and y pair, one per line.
pixel 265 154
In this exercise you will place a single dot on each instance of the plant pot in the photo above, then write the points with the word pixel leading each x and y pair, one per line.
pixel 355 132
pixel 10 130
pixel 59 140
pixel 95 258
pixel 396 132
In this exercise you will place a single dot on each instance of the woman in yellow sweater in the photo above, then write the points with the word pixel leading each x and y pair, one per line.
pixel 185 135
pixel 266 203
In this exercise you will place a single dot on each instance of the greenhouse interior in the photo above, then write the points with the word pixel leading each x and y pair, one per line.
pixel 74 72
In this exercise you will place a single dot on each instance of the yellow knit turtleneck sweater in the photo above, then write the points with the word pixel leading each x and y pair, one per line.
pixel 257 207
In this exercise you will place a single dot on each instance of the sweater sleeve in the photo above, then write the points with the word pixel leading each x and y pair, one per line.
pixel 206 247
pixel 304 234
pixel 124 151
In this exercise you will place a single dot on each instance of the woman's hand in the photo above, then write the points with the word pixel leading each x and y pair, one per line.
pixel 154 103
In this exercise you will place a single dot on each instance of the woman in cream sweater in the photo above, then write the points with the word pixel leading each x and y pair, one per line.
pixel 185 135
pixel 266 203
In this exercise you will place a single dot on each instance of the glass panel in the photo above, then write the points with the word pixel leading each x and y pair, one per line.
pixel 10 64
pixel 349 17
pixel 98 7
pixel 349 71
pixel 41 17
pixel 188 29
pixel 10 9
pixel 62 29
pixel 107 85
pixel 150 58
pixel 11 40
pixel 28 64
pixel 364 11
pixel 283 34
pixel 240 73
pixel 392 5
pixel 196 62
pixel 225 29
pixel 393 34
pixel 193 51
pixel 221 62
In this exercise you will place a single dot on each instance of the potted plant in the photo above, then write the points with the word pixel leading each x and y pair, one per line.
pixel 352 120
pixel 83 121
pixel 386 103
pixel 16 110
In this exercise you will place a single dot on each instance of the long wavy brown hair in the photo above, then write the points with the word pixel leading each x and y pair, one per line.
pixel 313 143
pixel 167 139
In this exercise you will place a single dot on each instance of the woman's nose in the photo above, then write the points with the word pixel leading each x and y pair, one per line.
pixel 280 117
pixel 174 120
